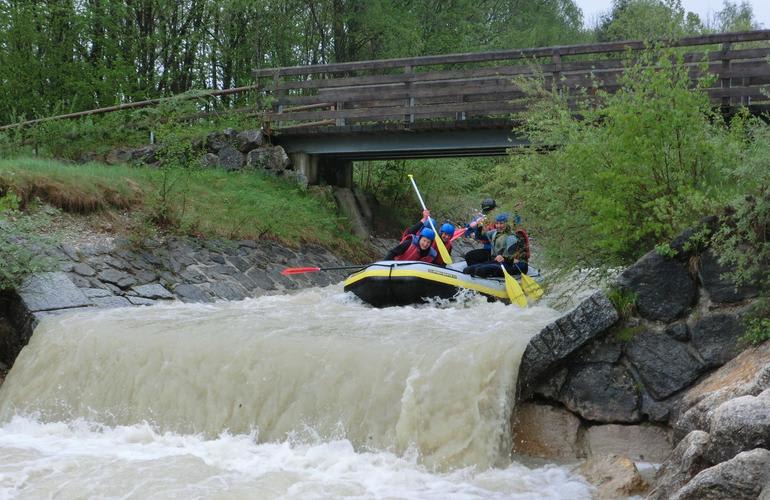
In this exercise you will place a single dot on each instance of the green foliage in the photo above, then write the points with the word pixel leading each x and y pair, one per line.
pixel 647 20
pixel 21 251
pixel 449 186
pixel 624 302
pixel 626 334
pixel 636 168
pixel 207 203
pixel 742 241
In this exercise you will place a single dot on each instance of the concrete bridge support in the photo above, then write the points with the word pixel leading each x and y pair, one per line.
pixel 339 174
pixel 323 169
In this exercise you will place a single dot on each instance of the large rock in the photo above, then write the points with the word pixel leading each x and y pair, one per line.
pixel 717 338
pixel 230 158
pixel 663 287
pixel 687 460
pixel 273 160
pixel 614 477
pixel 561 338
pixel 249 139
pixel 664 364
pixel 602 392
pixel 644 443
pixel 545 431
pixel 720 288
pixel 747 374
pixel 741 478
pixel 740 424
pixel 50 291
pixel 215 141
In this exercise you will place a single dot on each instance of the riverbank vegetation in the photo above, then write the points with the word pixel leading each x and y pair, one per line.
pixel 194 202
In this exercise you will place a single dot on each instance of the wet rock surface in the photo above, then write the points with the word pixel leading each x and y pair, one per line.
pixel 663 287
pixel 178 269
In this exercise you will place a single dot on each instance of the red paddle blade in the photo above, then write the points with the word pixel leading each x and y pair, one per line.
pixel 458 233
pixel 299 270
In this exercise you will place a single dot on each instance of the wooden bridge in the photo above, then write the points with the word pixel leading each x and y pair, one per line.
pixel 465 104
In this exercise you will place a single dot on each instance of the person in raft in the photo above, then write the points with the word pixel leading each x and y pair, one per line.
pixel 446 232
pixel 415 247
pixel 477 230
pixel 509 248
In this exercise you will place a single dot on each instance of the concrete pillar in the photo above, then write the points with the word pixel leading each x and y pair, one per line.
pixel 307 165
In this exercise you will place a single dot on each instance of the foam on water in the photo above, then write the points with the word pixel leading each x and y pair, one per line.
pixel 80 459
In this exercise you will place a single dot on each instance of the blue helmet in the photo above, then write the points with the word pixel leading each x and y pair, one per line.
pixel 428 224
pixel 447 228
pixel 502 218
pixel 428 233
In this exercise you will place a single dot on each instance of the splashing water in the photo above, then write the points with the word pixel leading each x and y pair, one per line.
pixel 312 395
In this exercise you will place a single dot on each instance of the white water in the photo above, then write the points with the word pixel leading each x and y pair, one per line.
pixel 311 395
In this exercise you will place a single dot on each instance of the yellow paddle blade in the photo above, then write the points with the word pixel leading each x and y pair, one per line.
pixel 442 250
pixel 531 288
pixel 515 293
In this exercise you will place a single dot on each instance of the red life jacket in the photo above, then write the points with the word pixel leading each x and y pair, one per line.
pixel 413 252
pixel 448 246
pixel 524 236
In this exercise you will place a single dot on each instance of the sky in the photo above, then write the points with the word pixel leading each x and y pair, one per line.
pixel 706 9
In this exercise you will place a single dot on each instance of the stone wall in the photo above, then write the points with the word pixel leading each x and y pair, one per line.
pixel 116 275
pixel 625 387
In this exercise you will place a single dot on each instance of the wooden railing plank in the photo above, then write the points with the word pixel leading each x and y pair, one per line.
pixel 465 58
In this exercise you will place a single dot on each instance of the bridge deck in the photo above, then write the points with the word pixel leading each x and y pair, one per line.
pixel 462 92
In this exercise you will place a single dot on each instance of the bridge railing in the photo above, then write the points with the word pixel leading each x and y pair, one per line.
pixel 419 91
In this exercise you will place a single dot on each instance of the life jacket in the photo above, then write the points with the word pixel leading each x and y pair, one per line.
pixel 522 234
pixel 413 252
pixel 448 246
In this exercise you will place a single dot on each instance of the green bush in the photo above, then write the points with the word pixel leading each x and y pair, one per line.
pixel 628 171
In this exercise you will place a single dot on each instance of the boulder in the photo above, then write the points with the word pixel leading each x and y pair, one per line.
pixel 716 338
pixel 740 478
pixel 545 431
pixel 687 460
pixel 678 331
pixel 249 139
pixel 117 156
pixel 663 287
pixel 643 443
pixel 740 424
pixel 603 350
pixel 209 160
pixel 747 374
pixel 664 364
pixel 230 158
pixel 218 140
pixel 720 288
pixel 273 160
pixel 602 392
pixel 614 476
pixel 563 337
pixel 145 154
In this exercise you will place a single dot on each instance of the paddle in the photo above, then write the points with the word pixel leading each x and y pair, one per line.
pixel 530 286
pixel 515 294
pixel 300 270
pixel 439 244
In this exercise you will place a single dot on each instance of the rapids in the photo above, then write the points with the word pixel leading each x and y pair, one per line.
pixel 309 395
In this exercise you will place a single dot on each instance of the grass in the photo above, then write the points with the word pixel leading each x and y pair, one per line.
pixel 205 203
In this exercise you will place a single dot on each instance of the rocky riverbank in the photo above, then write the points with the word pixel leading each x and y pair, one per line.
pixel 649 387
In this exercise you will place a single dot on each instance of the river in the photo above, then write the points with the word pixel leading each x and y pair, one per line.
pixel 312 395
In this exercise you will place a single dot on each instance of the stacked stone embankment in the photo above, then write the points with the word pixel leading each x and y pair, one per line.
pixel 635 388
pixel 188 270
